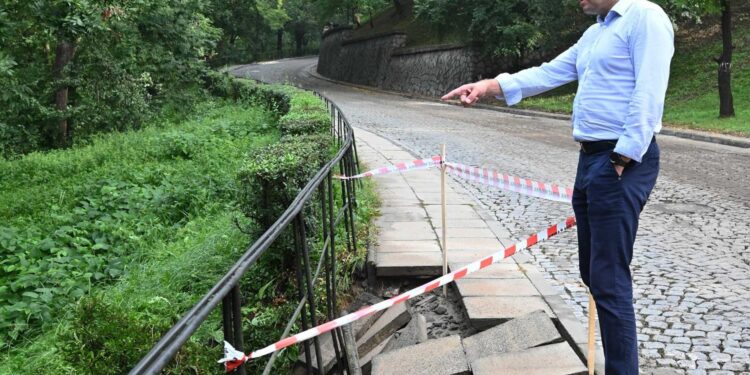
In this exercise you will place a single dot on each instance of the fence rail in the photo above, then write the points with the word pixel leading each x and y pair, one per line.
pixel 333 210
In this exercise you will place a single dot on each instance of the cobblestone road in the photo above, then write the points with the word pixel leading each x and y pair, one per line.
pixel 691 266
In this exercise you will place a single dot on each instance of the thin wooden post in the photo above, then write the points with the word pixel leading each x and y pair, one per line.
pixel 442 204
pixel 592 334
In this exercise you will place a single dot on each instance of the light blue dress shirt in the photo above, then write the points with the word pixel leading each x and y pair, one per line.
pixel 622 67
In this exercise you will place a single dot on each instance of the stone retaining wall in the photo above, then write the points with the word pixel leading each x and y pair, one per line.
pixel 383 61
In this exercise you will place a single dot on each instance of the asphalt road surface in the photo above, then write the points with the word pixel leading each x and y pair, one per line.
pixel 691 266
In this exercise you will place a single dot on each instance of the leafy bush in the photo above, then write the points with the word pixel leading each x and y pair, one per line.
pixel 303 122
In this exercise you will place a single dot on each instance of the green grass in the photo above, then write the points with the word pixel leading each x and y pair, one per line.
pixel 692 98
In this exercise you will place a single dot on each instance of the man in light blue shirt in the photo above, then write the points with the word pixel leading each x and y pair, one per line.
pixel 622 67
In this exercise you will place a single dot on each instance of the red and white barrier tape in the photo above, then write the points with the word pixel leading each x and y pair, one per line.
pixel 233 358
pixel 512 183
pixel 398 167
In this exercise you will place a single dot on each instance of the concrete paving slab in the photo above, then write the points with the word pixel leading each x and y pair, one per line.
pixel 402 231
pixel 496 287
pixel 524 332
pixel 467 256
pixel 486 312
pixel 412 264
pixel 327 353
pixel 395 192
pixel 365 363
pixel 459 223
pixel 495 271
pixel 474 243
pixel 434 198
pixel 555 359
pixel 400 202
pixel 408 246
pixel 470 233
pixel 453 211
pixel 402 235
pixel 398 155
pixel 392 320
pixel 444 356
pixel 402 214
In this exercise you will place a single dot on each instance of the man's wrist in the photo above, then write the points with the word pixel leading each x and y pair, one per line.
pixel 619 160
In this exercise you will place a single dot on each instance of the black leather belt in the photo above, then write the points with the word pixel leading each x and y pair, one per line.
pixel 592 147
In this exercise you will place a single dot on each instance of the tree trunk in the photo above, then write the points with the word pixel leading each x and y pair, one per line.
pixel 726 102
pixel 63 55
pixel 299 38
pixel 279 38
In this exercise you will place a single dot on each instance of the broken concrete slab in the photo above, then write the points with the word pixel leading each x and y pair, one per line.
pixel 524 332
pixel 409 264
pixel 444 356
pixel 407 336
pixel 471 287
pixel 362 325
pixel 392 320
pixel 327 353
pixel 554 359
pixel 486 312
pixel 359 328
pixel 365 362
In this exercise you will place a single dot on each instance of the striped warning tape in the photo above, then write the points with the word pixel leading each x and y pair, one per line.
pixel 398 167
pixel 234 358
pixel 512 183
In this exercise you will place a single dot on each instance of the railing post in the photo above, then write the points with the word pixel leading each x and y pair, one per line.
pixel 226 315
pixel 300 224
pixel 326 261
pixel 237 320
pixel 301 292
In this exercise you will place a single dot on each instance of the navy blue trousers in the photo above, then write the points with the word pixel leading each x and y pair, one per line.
pixel 607 207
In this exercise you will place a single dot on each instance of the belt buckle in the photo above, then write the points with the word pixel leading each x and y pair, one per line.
pixel 583 148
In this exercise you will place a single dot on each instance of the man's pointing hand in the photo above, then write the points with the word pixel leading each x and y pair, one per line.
pixel 470 93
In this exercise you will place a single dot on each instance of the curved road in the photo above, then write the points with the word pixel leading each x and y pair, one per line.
pixel 691 265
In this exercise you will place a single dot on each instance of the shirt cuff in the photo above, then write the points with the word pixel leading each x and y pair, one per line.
pixel 631 148
pixel 510 88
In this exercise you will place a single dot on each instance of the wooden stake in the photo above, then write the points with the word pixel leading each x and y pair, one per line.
pixel 592 334
pixel 442 203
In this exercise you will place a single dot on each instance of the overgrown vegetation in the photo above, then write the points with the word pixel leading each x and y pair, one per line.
pixel 144 223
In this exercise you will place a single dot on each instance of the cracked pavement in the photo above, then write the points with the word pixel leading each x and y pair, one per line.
pixel 691 264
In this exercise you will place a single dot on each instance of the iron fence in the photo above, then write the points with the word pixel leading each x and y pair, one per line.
pixel 335 208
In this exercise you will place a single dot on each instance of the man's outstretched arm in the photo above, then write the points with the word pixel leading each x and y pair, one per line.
pixel 528 82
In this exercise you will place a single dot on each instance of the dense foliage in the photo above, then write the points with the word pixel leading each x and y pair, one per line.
pixel 73 68
pixel 508 28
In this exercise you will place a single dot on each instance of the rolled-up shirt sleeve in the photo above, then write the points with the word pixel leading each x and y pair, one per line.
pixel 651 48
pixel 536 80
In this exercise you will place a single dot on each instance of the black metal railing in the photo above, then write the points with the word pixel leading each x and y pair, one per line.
pixel 335 207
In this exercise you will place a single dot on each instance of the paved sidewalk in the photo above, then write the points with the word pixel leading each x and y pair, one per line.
pixel 408 244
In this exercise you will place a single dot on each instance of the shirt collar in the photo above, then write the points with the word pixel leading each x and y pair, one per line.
pixel 620 8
